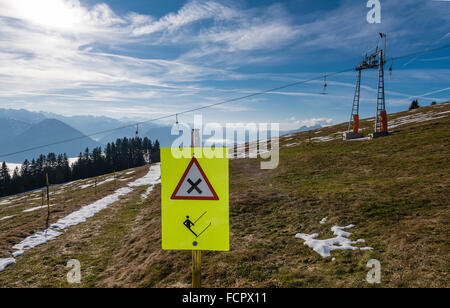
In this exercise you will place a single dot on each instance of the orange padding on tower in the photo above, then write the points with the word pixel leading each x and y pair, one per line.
pixel 384 121
pixel 355 123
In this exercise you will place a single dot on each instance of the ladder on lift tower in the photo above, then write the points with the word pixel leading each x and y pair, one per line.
pixel 354 117
pixel 380 125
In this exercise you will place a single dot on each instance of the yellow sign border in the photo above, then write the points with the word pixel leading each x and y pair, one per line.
pixel 210 217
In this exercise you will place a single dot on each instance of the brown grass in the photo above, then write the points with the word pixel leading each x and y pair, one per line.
pixel 394 189
pixel 14 230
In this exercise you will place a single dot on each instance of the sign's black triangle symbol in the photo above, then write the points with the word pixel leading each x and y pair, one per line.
pixel 194 185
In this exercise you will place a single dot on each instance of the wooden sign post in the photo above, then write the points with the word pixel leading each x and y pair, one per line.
pixel 196 254
pixel 48 199
pixel 195 201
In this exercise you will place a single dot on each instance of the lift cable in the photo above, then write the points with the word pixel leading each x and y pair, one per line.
pixel 221 102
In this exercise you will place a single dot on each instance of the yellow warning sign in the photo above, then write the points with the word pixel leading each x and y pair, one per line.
pixel 195 200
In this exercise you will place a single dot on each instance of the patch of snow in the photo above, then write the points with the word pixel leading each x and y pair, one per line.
pixel 90 210
pixel 86 185
pixel 249 154
pixel 324 139
pixel 131 172
pixel 12 167
pixel 34 240
pixel 105 181
pixel 17 253
pixel 359 139
pixel 240 150
pixel 92 183
pixel 147 192
pixel 72 160
pixel 6 217
pixel 340 242
pixel 17 199
pixel 57 192
pixel 324 220
pixel 339 231
pixel 6 262
pixel 5 202
pixel 416 118
pixel 151 178
pixel 35 208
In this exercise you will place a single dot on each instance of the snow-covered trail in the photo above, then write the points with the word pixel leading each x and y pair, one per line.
pixel 152 178
pixel 88 182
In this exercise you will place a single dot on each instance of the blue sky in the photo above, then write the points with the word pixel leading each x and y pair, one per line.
pixel 145 59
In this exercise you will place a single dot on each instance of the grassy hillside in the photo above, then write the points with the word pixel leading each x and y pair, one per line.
pixel 394 189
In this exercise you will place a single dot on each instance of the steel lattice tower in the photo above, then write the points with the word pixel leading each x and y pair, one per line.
pixel 376 60
pixel 355 106
pixel 381 106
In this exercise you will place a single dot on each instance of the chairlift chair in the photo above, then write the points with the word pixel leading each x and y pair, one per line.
pixel 324 85
pixel 390 70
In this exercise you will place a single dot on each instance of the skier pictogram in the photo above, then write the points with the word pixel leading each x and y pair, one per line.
pixel 188 223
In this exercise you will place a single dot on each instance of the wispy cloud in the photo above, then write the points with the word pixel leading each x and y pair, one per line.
pixel 54 48
pixel 192 12
pixel 69 52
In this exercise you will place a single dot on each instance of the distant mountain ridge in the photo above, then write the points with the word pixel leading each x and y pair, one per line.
pixel 92 124
pixel 89 124
pixel 9 128
pixel 46 132
pixel 22 115
pixel 21 129
pixel 300 129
